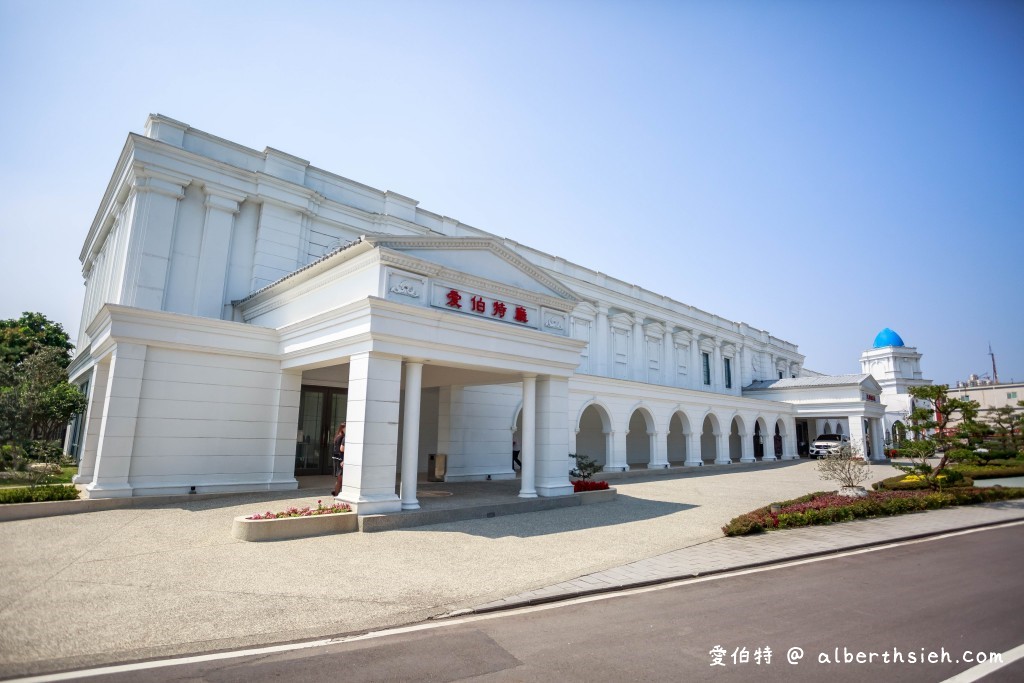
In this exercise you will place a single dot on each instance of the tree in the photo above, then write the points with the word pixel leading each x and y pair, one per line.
pixel 846 466
pixel 20 338
pixel 929 422
pixel 1007 423
pixel 36 400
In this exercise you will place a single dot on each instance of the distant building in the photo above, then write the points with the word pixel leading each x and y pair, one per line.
pixel 988 394
pixel 896 367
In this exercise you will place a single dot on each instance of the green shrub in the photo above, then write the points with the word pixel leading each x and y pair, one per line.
pixel 990 471
pixel 585 467
pixel 829 508
pixel 963 456
pixel 37 494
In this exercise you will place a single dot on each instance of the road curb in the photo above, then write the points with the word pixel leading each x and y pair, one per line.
pixel 548 599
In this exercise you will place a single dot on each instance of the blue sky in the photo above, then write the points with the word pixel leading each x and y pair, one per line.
pixel 818 169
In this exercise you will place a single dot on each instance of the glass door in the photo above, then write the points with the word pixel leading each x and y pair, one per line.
pixel 321 410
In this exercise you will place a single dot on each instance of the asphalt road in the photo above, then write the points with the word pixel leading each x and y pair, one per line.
pixel 951 595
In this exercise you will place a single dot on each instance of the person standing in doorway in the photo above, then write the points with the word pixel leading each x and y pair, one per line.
pixel 515 454
pixel 338 455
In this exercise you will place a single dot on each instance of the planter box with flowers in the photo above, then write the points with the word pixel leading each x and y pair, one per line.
pixel 593 491
pixel 337 518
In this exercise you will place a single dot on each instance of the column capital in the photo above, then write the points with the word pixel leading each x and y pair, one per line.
pixel 159 184
pixel 222 199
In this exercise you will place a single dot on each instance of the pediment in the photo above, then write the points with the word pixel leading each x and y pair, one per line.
pixel 476 257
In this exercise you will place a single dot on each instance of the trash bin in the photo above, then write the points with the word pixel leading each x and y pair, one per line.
pixel 437 466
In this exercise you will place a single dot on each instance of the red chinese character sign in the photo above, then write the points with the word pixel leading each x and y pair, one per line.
pixel 486 307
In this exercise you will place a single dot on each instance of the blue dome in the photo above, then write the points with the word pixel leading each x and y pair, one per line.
pixel 887 338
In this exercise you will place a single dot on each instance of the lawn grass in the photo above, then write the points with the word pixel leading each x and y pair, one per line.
pixel 64 477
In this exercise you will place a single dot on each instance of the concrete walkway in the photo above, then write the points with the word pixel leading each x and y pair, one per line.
pixel 142 582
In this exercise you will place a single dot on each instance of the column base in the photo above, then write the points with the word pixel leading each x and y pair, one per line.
pixel 615 468
pixel 769 458
pixel 108 491
pixel 527 494
pixel 555 490
pixel 658 466
pixel 723 462
pixel 81 479
pixel 372 506
pixel 415 505
pixel 693 463
pixel 748 459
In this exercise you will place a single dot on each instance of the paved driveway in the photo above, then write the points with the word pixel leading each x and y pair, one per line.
pixel 107 586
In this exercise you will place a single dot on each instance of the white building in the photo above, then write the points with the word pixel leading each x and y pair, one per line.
pixel 240 304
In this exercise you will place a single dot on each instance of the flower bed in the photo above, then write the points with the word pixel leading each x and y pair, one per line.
pixel 296 522
pixel 307 511
pixel 828 508
pixel 580 485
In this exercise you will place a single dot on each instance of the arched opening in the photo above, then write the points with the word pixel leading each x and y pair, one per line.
pixel 827 429
pixel 780 431
pixel 592 434
pixel 899 433
pixel 839 428
pixel 735 440
pixel 638 439
pixel 708 449
pixel 678 429
pixel 759 432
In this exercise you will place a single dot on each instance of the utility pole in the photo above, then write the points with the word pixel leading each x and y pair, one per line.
pixel 995 375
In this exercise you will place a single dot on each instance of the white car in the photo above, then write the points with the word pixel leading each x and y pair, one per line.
pixel 828 443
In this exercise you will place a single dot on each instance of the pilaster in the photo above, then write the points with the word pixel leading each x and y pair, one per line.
pixel 214 252
pixel 371 441
pixel 117 430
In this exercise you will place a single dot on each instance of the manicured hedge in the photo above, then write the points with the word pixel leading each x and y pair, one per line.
pixel 991 471
pixel 37 494
pixel 828 508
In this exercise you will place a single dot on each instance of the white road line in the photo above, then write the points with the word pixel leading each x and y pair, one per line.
pixel 455 621
pixel 979 671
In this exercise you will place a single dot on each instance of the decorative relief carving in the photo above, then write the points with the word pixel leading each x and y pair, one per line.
pixel 554 323
pixel 405 288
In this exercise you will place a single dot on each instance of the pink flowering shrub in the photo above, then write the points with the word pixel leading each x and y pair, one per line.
pixel 320 509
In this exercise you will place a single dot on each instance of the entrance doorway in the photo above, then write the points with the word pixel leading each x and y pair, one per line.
pixel 321 410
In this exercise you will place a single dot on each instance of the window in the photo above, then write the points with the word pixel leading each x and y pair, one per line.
pixel 967 397
pixel 707 369
pixel 1011 394
pixel 780 374
pixel 728 373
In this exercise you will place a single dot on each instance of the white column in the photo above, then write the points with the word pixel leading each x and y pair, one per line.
pixel 659 451
pixel 371 441
pixel 616 450
pixel 93 422
pixel 746 445
pixel 639 363
pixel 768 440
pixel 214 255
pixel 693 456
pixel 739 378
pixel 528 453
pixel 696 366
pixel 877 440
pixel 722 447
pixel 149 247
pixel 717 377
pixel 411 433
pixel 552 441
pixel 668 356
pixel 857 435
pixel 285 429
pixel 789 450
pixel 602 332
pixel 117 429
